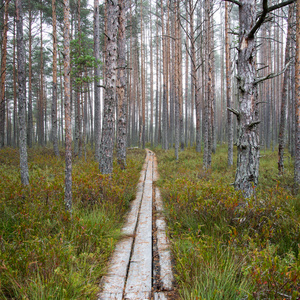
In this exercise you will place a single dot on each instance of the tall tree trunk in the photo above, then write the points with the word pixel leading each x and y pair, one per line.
pixel 15 118
pixel 61 100
pixel 282 126
pixel 209 91
pixel 54 86
pixel 41 95
pixel 228 88
pixel 181 121
pixel 165 85
pixel 3 74
pixel 297 100
pixel 107 140
pixel 186 87
pixel 121 89
pixel 143 83
pixel 67 88
pixel 30 117
pixel 195 91
pixel 151 80
pixel 21 94
pixel 177 79
pixel 157 88
pixel 213 125
pixel 246 178
pixel 78 116
pixel 97 119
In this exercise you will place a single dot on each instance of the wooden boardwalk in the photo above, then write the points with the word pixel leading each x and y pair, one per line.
pixel 140 267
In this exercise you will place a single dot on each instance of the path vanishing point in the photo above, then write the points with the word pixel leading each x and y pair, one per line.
pixel 140 267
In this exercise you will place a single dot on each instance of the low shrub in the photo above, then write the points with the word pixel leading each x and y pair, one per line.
pixel 45 254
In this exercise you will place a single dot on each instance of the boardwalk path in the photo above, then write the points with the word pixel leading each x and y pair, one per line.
pixel 141 264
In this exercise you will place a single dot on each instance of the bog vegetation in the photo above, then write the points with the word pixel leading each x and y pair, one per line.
pixel 225 249
pixel 43 253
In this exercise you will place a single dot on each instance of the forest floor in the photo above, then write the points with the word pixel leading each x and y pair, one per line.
pixel 220 250
pixel 223 250
pixel 141 266
pixel 44 252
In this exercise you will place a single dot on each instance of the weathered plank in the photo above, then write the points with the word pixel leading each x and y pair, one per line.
pixel 166 273
pixel 130 272
pixel 139 278
pixel 160 296
pixel 138 296
pixel 111 296
pixel 114 282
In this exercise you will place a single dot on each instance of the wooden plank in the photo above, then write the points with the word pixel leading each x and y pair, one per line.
pixel 166 273
pixel 111 296
pixel 164 253
pixel 114 282
pixel 137 296
pixel 158 202
pixel 140 270
pixel 160 296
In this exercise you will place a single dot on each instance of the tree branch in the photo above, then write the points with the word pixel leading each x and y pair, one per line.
pixel 263 14
pixel 234 1
pixel 251 125
pixel 279 5
pixel 236 112
pixel 260 20
pixel 271 75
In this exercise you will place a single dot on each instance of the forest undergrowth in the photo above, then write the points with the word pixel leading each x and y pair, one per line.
pixel 224 249
pixel 45 254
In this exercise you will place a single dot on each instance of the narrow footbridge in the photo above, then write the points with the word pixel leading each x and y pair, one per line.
pixel 140 267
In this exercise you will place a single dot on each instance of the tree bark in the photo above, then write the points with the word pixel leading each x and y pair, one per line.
pixel 228 89
pixel 30 116
pixel 54 86
pixel 297 100
pixel 67 90
pixel 21 95
pixel 3 74
pixel 15 118
pixel 284 100
pixel 143 133
pixel 97 119
pixel 121 89
pixel 246 178
pixel 107 140
pixel 151 80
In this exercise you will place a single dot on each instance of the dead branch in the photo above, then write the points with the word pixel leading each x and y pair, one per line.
pixel 271 75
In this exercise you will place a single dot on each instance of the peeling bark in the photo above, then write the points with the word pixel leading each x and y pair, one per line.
pixel 246 178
